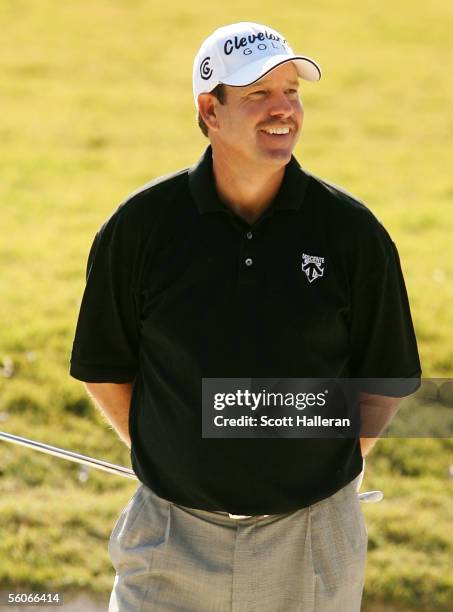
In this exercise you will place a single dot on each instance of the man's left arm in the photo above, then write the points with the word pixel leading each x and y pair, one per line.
pixel 376 413
pixel 384 355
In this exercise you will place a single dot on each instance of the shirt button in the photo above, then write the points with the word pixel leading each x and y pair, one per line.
pixel 248 261
pixel 249 235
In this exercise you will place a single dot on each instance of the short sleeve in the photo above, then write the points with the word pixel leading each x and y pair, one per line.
pixel 106 342
pixel 382 336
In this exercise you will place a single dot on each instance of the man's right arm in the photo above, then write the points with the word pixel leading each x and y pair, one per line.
pixel 114 401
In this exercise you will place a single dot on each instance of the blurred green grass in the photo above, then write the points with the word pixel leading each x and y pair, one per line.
pixel 96 100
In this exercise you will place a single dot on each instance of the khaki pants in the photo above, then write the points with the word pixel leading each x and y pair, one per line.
pixel 172 558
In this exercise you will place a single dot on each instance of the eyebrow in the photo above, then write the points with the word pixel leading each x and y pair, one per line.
pixel 265 81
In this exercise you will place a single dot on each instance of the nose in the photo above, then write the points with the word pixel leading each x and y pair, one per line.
pixel 280 105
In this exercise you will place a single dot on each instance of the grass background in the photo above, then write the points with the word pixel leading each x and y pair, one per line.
pixel 96 100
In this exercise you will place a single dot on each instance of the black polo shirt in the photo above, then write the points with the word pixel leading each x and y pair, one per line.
pixel 180 288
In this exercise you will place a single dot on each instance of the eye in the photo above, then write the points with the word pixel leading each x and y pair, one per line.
pixel 258 92
pixel 292 91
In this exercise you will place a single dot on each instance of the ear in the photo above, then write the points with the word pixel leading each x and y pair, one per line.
pixel 207 106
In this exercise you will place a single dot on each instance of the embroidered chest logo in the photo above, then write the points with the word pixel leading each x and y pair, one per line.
pixel 313 266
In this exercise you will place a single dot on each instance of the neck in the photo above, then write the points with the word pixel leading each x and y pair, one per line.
pixel 247 189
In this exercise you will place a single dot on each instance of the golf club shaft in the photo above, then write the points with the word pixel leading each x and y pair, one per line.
pixel 69 455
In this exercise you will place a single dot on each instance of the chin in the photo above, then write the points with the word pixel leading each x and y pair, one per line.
pixel 278 156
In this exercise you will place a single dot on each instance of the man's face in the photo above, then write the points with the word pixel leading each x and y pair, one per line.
pixel 243 121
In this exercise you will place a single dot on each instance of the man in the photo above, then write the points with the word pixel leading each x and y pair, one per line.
pixel 242 266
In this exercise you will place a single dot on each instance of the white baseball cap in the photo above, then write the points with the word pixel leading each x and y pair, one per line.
pixel 242 53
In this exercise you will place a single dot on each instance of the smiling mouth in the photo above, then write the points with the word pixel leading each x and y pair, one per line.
pixel 277 131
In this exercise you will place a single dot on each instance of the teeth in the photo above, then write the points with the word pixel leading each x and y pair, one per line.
pixel 277 130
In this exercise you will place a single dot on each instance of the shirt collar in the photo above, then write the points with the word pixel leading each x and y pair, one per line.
pixel 203 189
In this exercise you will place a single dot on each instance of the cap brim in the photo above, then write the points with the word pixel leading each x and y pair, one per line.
pixel 306 68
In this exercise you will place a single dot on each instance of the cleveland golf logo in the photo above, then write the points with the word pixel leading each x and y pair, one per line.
pixel 205 69
pixel 262 40
pixel 313 266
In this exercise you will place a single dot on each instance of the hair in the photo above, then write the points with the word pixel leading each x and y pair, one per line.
pixel 220 93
